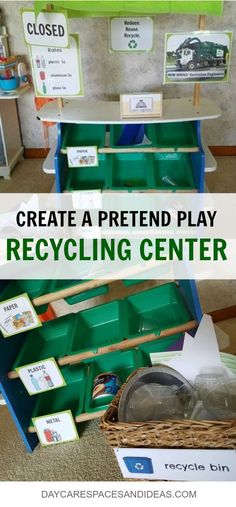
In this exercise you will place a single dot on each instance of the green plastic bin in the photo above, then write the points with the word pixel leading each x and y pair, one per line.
pixel 148 311
pixel 50 340
pixel 131 171
pixel 159 345
pixel 83 135
pixel 57 285
pixel 156 309
pixel 87 178
pixel 120 363
pixel 69 397
pixel 175 135
pixel 173 171
pixel 116 131
pixel 99 326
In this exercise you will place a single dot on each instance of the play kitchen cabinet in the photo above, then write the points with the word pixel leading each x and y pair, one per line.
pixel 115 337
pixel 171 158
pixel 11 149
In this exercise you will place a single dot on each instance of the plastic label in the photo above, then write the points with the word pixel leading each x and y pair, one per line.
pixel 41 376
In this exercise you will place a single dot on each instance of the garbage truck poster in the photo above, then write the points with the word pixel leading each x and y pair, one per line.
pixel 197 57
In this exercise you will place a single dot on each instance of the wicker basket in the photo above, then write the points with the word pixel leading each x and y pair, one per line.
pixel 185 434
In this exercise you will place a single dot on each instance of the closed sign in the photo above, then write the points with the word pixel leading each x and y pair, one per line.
pixel 46 29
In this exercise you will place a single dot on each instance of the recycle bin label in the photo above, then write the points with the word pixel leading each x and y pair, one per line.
pixel 41 376
pixel 17 315
pixel 56 428
pixel 131 34
pixel 177 464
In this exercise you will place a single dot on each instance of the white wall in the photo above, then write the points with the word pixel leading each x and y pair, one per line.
pixel 107 75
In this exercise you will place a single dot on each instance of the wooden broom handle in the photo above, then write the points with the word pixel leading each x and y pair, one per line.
pixel 127 344
pixel 197 87
pixel 60 101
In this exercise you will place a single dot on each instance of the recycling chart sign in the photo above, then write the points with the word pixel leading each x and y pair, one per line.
pixel 131 34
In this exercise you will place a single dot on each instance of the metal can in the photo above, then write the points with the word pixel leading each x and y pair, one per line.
pixel 105 387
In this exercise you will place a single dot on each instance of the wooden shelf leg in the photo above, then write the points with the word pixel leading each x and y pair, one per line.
pixel 197 87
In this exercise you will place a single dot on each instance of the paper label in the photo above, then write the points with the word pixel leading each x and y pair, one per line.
pixel 141 104
pixel 131 34
pixel 41 376
pixel 87 199
pixel 177 464
pixel 138 105
pixel 56 428
pixel 82 156
pixel 57 72
pixel 46 29
pixel 17 315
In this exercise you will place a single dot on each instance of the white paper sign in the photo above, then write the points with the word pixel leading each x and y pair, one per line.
pixel 87 199
pixel 57 72
pixel 82 156
pixel 46 29
pixel 56 428
pixel 177 464
pixel 141 104
pixel 41 376
pixel 131 34
pixel 199 352
pixel 17 315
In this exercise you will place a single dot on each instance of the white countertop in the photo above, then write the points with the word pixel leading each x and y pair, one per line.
pixel 84 111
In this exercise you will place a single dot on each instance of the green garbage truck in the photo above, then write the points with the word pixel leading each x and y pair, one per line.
pixel 193 53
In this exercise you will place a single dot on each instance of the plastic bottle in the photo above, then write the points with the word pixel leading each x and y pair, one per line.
pixel 48 379
pixel 35 383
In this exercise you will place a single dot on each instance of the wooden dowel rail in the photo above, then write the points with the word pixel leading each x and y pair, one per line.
pixel 70 291
pixel 148 150
pixel 127 343
pixel 123 345
pixel 92 284
pixel 86 416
